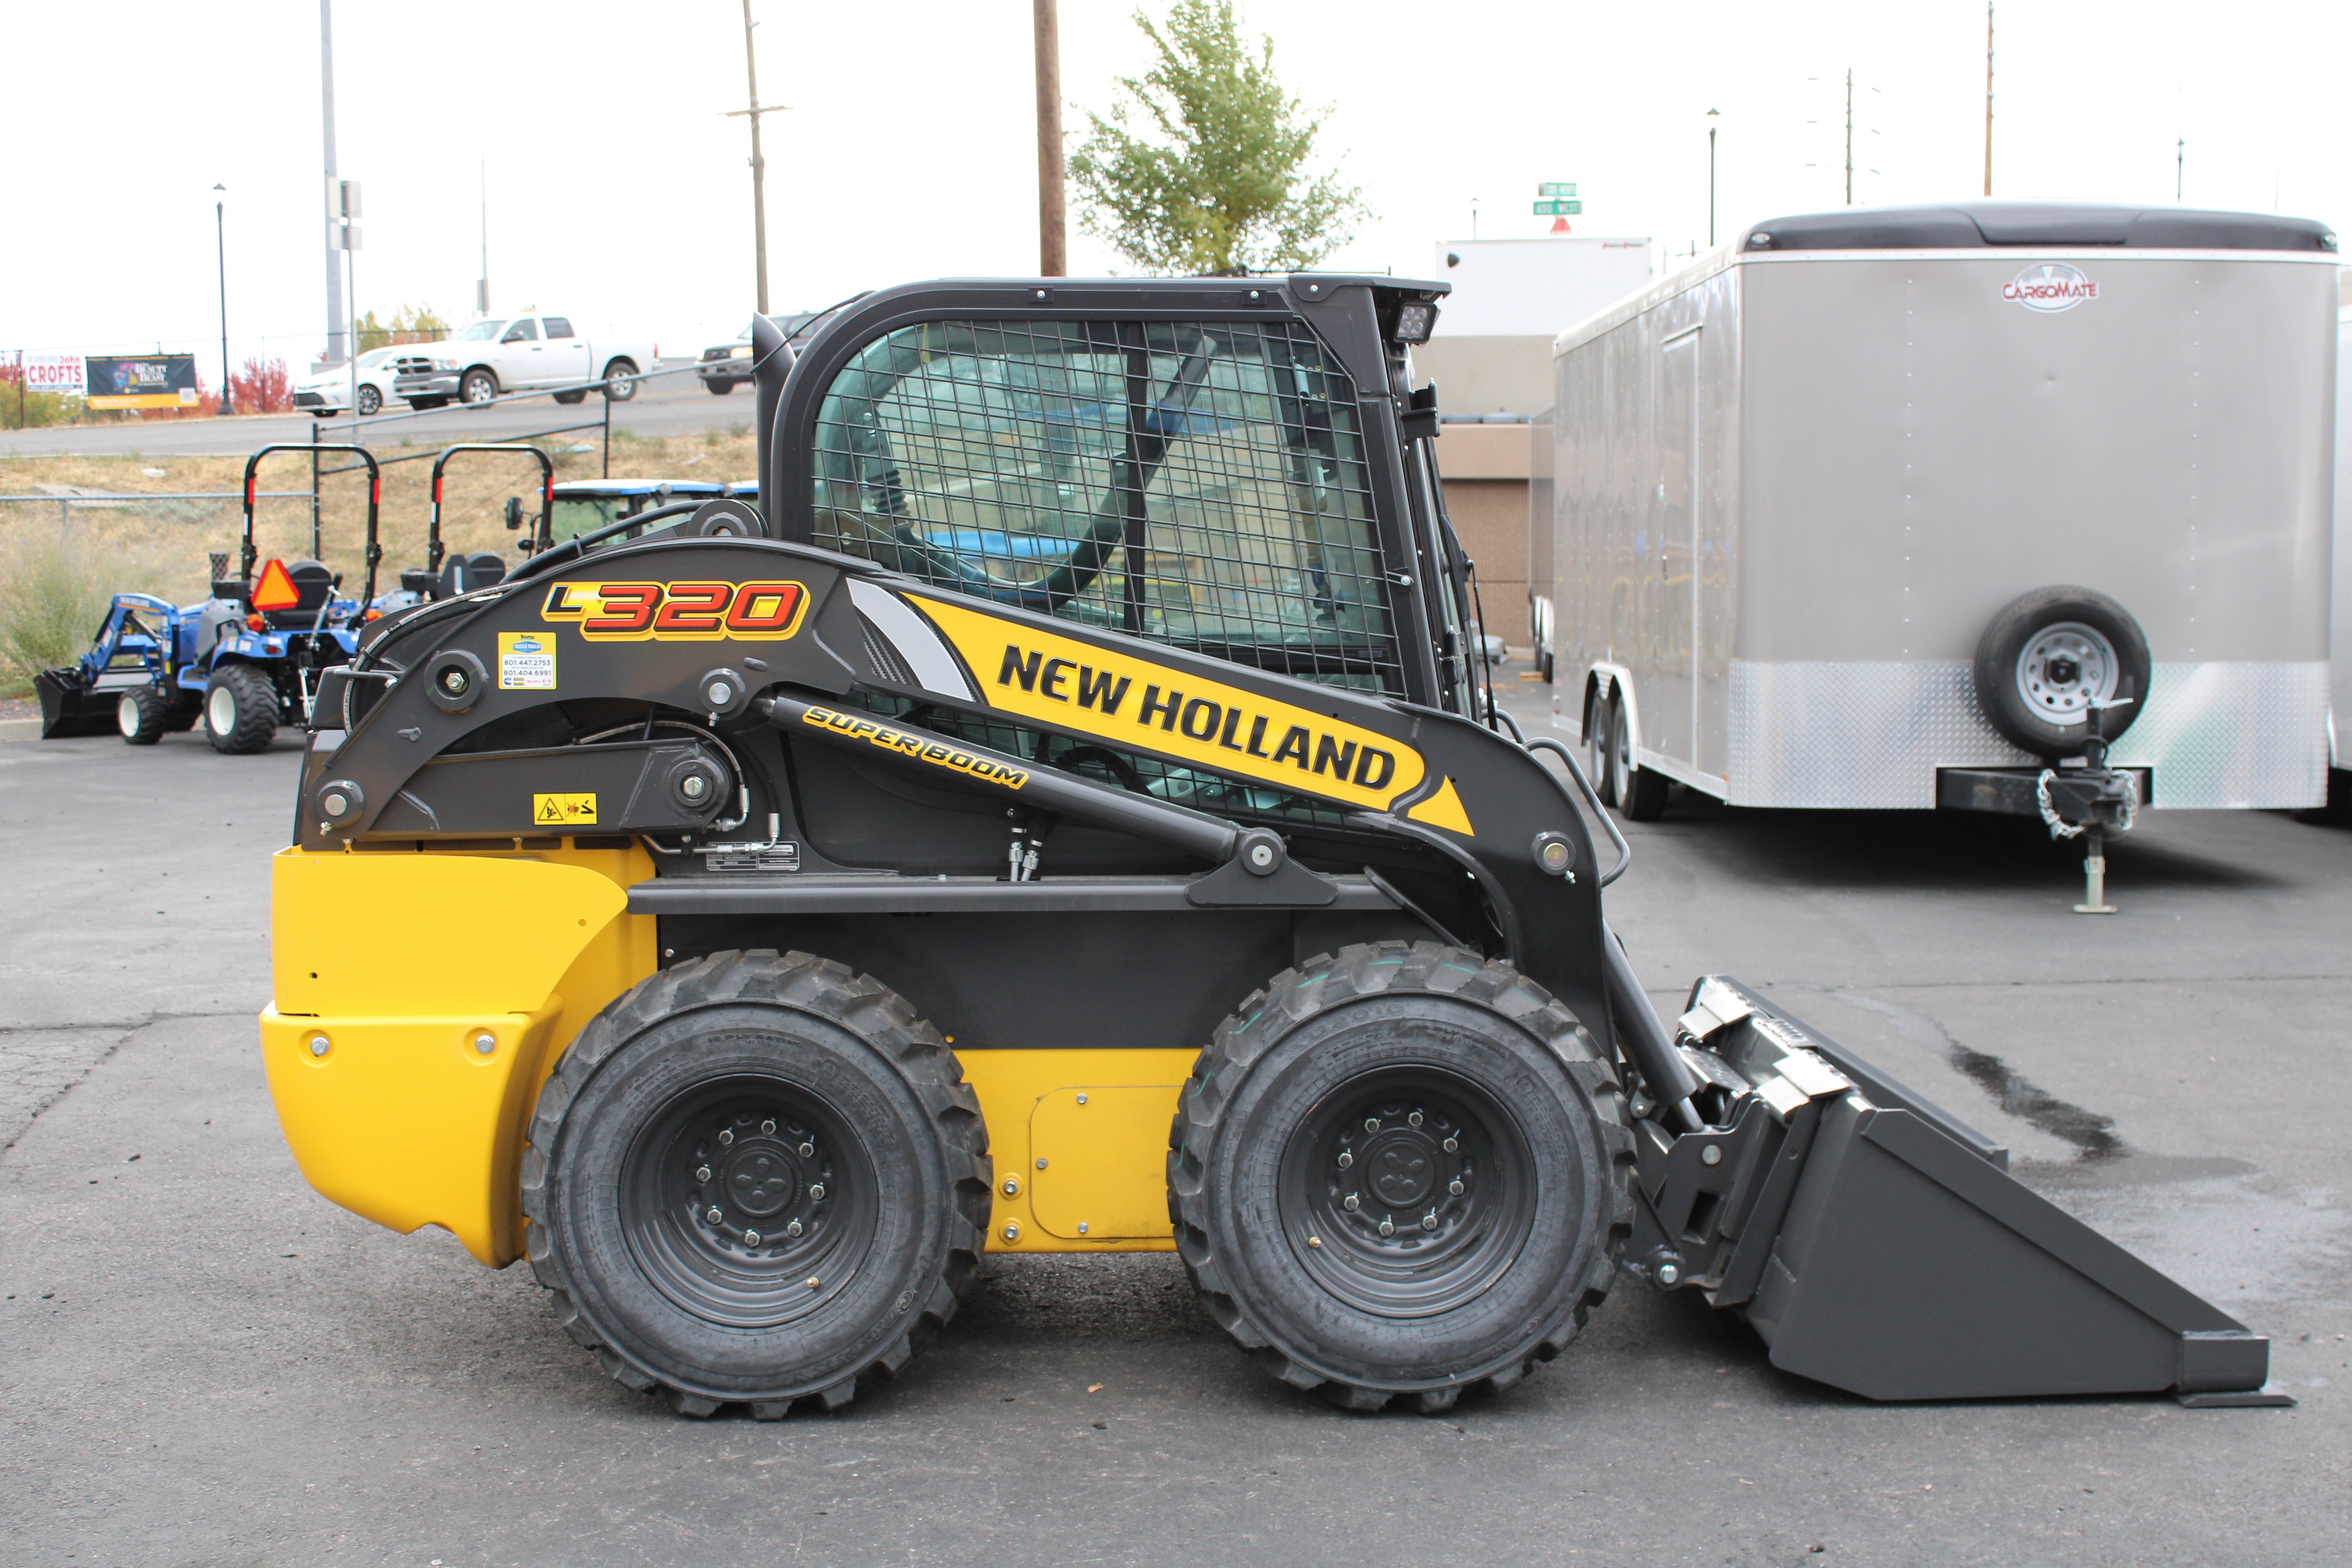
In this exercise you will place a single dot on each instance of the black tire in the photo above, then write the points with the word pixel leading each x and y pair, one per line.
pixel 719 388
pixel 2047 656
pixel 371 401
pixel 1547 666
pixel 478 386
pixel 624 1166
pixel 240 711
pixel 621 380
pixel 1393 1034
pixel 1596 746
pixel 579 395
pixel 423 404
pixel 1634 789
pixel 142 714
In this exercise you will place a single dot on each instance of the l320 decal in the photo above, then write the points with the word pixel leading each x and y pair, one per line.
pixel 679 612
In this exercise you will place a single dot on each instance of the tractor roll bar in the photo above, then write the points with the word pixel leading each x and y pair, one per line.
pixel 546 488
pixel 375 497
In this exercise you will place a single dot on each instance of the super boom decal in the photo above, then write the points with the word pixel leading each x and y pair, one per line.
pixel 1128 701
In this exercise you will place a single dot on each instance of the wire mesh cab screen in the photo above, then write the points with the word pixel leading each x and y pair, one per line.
pixel 1202 484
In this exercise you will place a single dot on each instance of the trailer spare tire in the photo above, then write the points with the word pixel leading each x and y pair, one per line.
pixel 2048 657
pixel 1399 1172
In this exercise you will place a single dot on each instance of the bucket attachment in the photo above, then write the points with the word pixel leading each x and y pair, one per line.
pixel 1879 1245
pixel 69 707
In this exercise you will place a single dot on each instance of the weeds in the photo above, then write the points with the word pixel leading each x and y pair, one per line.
pixel 51 602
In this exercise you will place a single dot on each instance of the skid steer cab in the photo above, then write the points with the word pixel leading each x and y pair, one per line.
pixel 1067 816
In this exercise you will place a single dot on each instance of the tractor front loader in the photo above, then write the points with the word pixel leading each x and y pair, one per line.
pixel 1065 817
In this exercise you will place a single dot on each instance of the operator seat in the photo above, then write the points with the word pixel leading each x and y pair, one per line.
pixel 316 585
pixel 466 571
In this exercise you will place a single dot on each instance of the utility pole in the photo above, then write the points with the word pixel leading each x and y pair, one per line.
pixel 759 163
pixel 1849 136
pixel 220 230
pixel 2180 167
pixel 482 284
pixel 336 350
pixel 1712 114
pixel 1988 190
pixel 1053 221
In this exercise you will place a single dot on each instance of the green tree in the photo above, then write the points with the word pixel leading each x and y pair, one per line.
pixel 409 324
pixel 1217 182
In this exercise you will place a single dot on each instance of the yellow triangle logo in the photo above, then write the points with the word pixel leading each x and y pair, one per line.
pixel 1443 809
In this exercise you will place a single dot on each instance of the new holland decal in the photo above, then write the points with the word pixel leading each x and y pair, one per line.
pixel 922 747
pixel 679 612
pixel 1130 702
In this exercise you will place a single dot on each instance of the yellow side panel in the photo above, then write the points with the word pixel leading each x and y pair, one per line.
pixel 1106 1162
pixel 1443 809
pixel 400 960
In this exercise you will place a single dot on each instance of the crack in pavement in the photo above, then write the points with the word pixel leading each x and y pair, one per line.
pixel 41 1064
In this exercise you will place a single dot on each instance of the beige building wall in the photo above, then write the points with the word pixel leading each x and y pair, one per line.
pixel 1485 469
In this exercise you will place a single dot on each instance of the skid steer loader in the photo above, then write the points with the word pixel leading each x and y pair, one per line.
pixel 1063 817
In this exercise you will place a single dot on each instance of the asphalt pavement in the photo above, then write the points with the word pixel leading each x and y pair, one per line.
pixel 665 404
pixel 202 1362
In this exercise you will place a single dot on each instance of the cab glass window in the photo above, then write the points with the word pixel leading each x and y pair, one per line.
pixel 523 332
pixel 575 516
pixel 557 326
pixel 1202 484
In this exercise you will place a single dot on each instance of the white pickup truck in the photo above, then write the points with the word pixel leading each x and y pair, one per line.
pixel 519 353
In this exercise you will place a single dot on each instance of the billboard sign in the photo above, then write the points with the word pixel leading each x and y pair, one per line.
pixel 58 374
pixel 141 381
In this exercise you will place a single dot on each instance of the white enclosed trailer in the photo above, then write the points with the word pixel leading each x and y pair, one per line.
pixel 2339 735
pixel 1873 507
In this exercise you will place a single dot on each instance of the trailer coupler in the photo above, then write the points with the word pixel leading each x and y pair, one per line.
pixel 1878 1244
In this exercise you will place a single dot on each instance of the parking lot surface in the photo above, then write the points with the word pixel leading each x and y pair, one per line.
pixel 204 1363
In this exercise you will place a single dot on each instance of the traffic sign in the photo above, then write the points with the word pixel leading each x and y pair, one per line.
pixel 1559 209
pixel 1555 188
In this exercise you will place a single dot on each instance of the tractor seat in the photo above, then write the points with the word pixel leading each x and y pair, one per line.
pixel 464 571
pixel 417 580
pixel 316 585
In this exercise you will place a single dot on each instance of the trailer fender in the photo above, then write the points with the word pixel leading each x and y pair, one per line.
pixel 1612 680
pixel 392 970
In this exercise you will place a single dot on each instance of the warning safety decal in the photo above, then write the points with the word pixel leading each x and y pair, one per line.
pixel 1129 701
pixel 679 612
pixel 563 810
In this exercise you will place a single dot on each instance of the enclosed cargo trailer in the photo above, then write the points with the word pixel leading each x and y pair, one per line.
pixel 1879 508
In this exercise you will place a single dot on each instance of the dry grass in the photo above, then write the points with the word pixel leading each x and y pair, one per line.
pixel 160 547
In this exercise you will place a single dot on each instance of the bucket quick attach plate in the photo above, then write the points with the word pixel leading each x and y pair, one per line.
pixel 1879 1245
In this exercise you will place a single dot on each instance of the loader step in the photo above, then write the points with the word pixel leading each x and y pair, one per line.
pixel 728 894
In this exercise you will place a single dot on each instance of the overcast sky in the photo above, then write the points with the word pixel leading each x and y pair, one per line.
pixel 618 192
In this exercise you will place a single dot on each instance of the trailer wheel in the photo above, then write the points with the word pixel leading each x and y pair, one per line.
pixel 755 1179
pixel 240 711
pixel 142 715
pixel 1637 791
pixel 1399 1172
pixel 1598 718
pixel 2047 657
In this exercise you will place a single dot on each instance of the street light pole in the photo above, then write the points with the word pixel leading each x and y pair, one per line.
pixel 1053 223
pixel 759 163
pixel 220 231
pixel 1711 114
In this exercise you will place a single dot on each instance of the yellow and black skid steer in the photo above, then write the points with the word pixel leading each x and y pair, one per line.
pixel 1065 815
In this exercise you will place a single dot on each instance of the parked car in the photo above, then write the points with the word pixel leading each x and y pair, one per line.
pixel 728 365
pixel 519 354
pixel 329 390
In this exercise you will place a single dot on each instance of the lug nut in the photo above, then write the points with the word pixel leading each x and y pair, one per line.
pixel 817 1191
pixel 1348 1202
pixel 486 1044
pixel 751 1238
pixel 793 1227
pixel 768 1125
pixel 1346 1159
pixel 807 1150
pixel 1414 1119
pixel 711 1214
pixel 702 1173
pixel 1711 1156
pixel 1388 1226
pixel 1429 1220
pixel 725 1136
pixel 1450 1144
pixel 1371 1124
pixel 1454 1187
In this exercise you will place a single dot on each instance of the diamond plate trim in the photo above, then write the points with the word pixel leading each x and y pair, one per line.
pixel 1872 735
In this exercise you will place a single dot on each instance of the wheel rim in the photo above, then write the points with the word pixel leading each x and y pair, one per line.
pixel 791 1187
pixel 220 711
pixel 1416 1188
pixel 620 389
pixel 1621 753
pixel 477 389
pixel 126 715
pixel 2064 670
pixel 369 400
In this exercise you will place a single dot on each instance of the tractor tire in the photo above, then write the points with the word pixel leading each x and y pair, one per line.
pixel 621 380
pixel 240 711
pixel 1399 1173
pixel 478 386
pixel 756 1180
pixel 2047 657
pixel 142 715
pixel 1638 792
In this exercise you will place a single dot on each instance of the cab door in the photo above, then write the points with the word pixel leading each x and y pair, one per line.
pixel 565 353
pixel 523 357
